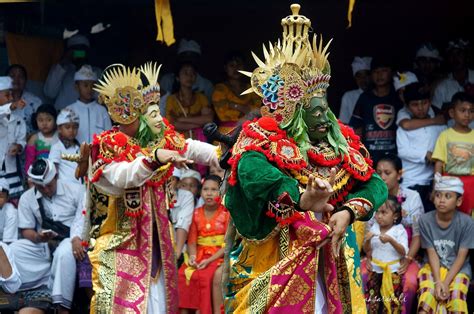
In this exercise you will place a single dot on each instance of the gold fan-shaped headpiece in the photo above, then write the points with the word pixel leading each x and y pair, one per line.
pixel 124 93
pixel 294 69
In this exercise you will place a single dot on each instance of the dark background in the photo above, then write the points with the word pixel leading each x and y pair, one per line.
pixel 390 28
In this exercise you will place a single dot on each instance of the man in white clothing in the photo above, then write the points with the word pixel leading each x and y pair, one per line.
pixel 8 215
pixel 19 78
pixel 50 214
pixel 59 84
pixel 93 118
pixel 13 135
pixel 461 78
pixel 361 72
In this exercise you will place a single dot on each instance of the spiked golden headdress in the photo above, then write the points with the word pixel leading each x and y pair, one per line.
pixel 294 69
pixel 125 94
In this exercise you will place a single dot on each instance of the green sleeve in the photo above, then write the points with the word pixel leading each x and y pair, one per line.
pixel 375 191
pixel 259 182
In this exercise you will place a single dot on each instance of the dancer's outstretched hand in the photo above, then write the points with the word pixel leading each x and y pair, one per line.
pixel 164 156
pixel 317 193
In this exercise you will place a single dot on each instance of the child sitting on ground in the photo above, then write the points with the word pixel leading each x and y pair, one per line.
pixel 200 276
pixel 447 235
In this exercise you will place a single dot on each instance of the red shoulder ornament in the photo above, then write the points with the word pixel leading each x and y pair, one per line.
pixel 111 145
pixel 264 136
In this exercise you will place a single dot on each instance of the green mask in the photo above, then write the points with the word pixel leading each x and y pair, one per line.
pixel 316 118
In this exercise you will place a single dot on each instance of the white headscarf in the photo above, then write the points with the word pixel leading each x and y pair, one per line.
pixel 5 82
pixel 360 64
pixel 402 79
pixel 448 183
pixel 47 176
pixel 85 73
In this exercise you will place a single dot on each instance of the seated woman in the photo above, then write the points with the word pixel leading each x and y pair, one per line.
pixel 389 168
pixel 186 109
pixel 229 105
pixel 200 275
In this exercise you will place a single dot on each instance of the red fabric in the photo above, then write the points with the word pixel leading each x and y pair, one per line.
pixel 197 294
pixel 468 196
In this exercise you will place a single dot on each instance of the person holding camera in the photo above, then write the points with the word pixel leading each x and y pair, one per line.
pixel 60 84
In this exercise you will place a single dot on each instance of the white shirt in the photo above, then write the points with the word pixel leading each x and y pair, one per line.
pixel 32 104
pixel 348 102
pixel 66 168
pixel 412 148
pixel 8 223
pixel 93 119
pixel 12 131
pixel 405 114
pixel 62 207
pixel 183 209
pixel 60 83
pixel 447 88
pixel 12 283
pixel 385 252
pixel 412 209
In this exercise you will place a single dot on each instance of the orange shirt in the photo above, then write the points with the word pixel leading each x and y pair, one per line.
pixel 204 227
pixel 175 110
pixel 222 99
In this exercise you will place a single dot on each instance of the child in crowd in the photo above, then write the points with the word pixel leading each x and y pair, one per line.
pixel 361 72
pixel 447 235
pixel 8 215
pixel 389 168
pixel 200 277
pixel 375 112
pixel 415 147
pixel 387 241
pixel 181 210
pixel 94 118
pixel 19 78
pixel 39 144
pixel 453 153
pixel 402 80
pixel 13 139
pixel 191 181
pixel 68 124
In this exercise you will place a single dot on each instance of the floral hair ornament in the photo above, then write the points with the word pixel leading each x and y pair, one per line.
pixel 293 72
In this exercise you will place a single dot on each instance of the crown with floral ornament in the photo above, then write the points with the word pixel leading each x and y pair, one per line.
pixel 294 70
pixel 124 93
